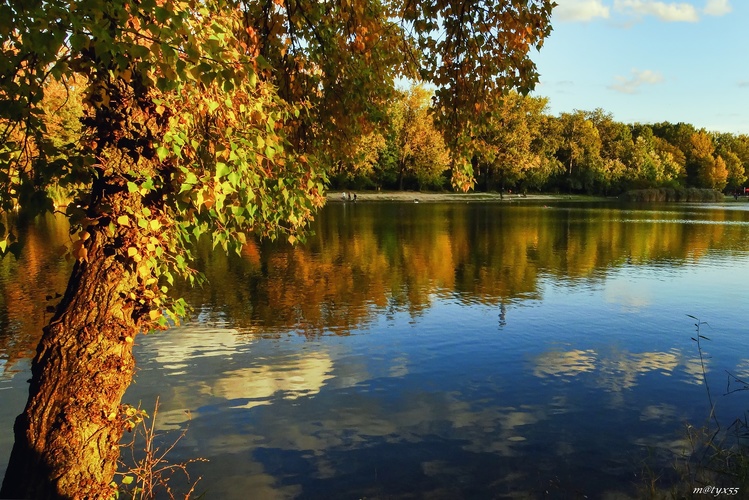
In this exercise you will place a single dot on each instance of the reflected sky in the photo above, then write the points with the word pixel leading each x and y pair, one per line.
pixel 448 404
pixel 444 351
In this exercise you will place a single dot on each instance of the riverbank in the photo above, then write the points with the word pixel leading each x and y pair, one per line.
pixel 449 197
pixel 426 197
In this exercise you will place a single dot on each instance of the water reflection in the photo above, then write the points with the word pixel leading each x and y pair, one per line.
pixel 564 364
pixel 433 350
pixel 24 283
pixel 340 422
pixel 364 259
pixel 336 422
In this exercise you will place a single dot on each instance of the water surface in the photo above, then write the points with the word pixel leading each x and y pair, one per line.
pixel 436 350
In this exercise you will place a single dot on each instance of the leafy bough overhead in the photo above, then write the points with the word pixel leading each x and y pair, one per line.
pixel 175 116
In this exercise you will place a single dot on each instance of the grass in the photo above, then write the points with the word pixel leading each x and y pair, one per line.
pixel 713 456
pixel 148 471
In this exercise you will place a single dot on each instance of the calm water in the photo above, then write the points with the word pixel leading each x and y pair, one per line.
pixel 434 350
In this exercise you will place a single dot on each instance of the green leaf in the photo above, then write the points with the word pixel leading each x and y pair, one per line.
pixel 233 178
pixel 222 169
pixel 162 152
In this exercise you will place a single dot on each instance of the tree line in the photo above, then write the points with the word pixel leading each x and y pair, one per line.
pixel 521 147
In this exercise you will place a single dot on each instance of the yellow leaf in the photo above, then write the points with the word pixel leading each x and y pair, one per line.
pixel 123 220
pixel 155 225
pixel 154 314
pixel 132 251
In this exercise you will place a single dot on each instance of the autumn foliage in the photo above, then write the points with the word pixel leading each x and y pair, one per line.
pixel 203 118
pixel 521 147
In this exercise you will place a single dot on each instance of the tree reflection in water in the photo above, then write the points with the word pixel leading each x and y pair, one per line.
pixel 446 349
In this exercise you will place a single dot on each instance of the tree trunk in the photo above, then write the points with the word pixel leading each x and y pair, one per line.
pixel 67 438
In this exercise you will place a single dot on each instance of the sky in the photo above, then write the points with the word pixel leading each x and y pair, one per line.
pixel 647 61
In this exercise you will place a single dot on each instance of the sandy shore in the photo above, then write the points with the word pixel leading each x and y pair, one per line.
pixel 413 196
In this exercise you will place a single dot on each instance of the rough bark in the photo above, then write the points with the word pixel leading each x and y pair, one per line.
pixel 67 438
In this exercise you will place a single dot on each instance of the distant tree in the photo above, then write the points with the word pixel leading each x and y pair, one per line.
pixel 674 161
pixel 580 152
pixel 421 150
pixel 545 144
pixel 653 163
pixel 740 145
pixel 617 149
pixel 679 135
pixel 736 173
pixel 507 148
pixel 708 170
pixel 616 137
pixel 735 152
pixel 357 166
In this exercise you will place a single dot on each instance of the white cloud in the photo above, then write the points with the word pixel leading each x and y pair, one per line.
pixel 717 7
pixel 670 12
pixel 580 10
pixel 638 79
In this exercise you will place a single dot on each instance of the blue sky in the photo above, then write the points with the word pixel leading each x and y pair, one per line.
pixel 648 61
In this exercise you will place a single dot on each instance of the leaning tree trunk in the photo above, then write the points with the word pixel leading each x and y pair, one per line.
pixel 67 439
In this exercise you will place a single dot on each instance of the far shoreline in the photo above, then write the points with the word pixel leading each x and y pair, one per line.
pixel 480 197
pixel 445 197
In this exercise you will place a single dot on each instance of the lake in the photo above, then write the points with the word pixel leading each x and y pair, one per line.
pixel 458 350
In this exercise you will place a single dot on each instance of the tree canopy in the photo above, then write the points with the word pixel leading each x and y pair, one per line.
pixel 201 117
pixel 520 146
